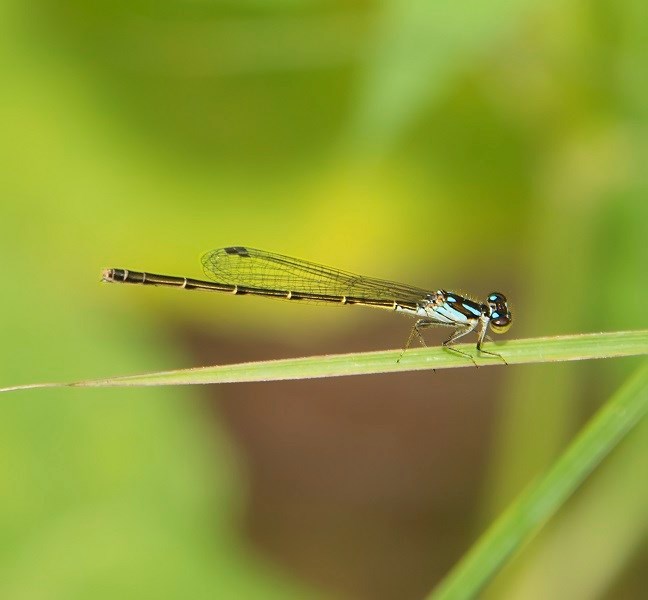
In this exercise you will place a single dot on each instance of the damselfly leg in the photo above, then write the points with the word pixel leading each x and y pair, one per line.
pixel 459 331
pixel 495 354
pixel 415 331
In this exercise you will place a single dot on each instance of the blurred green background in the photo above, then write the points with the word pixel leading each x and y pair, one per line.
pixel 471 146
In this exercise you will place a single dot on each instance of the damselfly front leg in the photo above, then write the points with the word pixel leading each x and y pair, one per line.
pixel 496 354
pixel 480 340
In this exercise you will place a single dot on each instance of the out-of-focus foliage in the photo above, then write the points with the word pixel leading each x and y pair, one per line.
pixel 474 146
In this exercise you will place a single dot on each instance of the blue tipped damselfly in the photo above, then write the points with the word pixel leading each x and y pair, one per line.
pixel 239 270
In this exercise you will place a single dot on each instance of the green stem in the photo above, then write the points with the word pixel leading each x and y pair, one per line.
pixel 526 351
pixel 535 506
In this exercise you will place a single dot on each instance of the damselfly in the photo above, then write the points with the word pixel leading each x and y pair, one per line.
pixel 240 270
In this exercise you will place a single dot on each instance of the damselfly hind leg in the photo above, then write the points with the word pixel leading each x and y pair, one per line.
pixel 415 331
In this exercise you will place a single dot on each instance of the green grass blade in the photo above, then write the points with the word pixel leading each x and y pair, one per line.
pixel 535 506
pixel 526 351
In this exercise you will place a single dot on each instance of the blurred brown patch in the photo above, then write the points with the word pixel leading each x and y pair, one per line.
pixel 366 486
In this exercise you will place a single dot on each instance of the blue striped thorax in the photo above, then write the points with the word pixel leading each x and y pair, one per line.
pixel 452 308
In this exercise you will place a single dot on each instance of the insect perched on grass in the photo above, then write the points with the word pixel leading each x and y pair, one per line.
pixel 239 270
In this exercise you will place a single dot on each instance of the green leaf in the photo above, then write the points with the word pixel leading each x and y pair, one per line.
pixel 542 499
pixel 526 351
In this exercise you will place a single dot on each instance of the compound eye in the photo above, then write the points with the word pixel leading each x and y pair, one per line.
pixel 496 298
pixel 499 322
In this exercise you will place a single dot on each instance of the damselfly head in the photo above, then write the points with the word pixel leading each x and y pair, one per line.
pixel 500 316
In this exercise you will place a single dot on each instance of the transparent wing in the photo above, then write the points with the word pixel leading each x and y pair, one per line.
pixel 256 268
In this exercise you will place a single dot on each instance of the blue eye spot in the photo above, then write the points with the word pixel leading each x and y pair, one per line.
pixel 492 298
pixel 495 315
